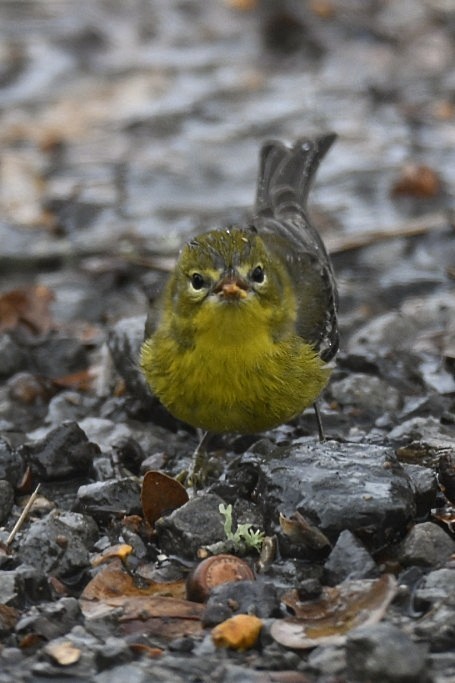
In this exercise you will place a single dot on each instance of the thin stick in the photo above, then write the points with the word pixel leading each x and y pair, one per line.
pixel 23 516
pixel 411 228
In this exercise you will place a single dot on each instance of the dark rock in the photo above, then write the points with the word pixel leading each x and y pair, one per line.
pixel 339 486
pixel 246 597
pixel 6 499
pixel 58 356
pixel 349 559
pixel 195 524
pixel 119 497
pixel 425 487
pixel 22 585
pixel 65 452
pixel 426 545
pixel 59 543
pixel 437 593
pixel 384 653
pixel 13 357
pixel 112 652
pixel 11 463
pixel 50 620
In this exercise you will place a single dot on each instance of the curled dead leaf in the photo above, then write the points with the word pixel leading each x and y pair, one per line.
pixel 328 619
pixel 160 495
pixel 240 632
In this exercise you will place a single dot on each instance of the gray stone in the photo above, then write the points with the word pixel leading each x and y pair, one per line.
pixel 384 653
pixel 195 524
pixel 63 453
pixel 13 358
pixel 11 463
pixel 59 543
pixel 50 620
pixel 349 559
pixel 118 496
pixel 427 545
pixel 6 500
pixel 367 392
pixel 425 485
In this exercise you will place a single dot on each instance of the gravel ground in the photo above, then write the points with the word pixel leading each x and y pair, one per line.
pixel 126 127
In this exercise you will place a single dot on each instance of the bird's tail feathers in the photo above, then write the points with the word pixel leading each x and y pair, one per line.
pixel 286 174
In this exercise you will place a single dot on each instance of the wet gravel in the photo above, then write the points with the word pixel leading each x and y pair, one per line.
pixel 125 127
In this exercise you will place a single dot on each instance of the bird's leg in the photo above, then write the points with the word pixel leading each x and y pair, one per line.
pixel 197 473
pixel 319 422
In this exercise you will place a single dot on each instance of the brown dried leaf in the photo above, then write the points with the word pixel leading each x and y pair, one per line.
pixel 417 180
pixel 140 609
pixel 27 308
pixel 240 632
pixel 160 495
pixel 113 582
pixel 340 609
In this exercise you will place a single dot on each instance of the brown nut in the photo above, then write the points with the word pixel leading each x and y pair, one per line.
pixel 212 572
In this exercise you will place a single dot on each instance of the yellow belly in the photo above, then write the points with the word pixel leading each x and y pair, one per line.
pixel 230 387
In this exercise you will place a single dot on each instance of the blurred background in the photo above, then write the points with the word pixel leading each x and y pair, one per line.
pixel 128 125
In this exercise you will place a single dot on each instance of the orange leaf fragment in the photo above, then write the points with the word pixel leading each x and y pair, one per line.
pixel 120 551
pixel 240 632
pixel 160 495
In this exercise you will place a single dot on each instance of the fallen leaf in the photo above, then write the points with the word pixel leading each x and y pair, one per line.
pixel 27 308
pixel 140 609
pixel 328 619
pixel 160 495
pixel 240 632
pixel 64 653
pixel 417 180
pixel 114 581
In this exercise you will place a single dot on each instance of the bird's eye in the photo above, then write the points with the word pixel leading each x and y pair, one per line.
pixel 257 274
pixel 197 281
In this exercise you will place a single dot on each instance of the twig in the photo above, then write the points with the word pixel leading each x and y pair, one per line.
pixel 415 226
pixel 23 516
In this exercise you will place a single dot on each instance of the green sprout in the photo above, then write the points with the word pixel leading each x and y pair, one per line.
pixel 244 535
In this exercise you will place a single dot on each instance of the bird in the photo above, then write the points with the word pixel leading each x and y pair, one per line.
pixel 246 329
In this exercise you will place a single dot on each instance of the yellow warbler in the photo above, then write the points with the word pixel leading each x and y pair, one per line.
pixel 247 323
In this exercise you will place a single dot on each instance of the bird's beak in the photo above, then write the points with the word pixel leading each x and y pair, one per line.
pixel 231 286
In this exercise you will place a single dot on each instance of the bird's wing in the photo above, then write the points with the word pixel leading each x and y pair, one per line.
pixel 285 177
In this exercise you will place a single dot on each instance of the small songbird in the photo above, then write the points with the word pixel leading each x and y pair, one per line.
pixel 247 323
